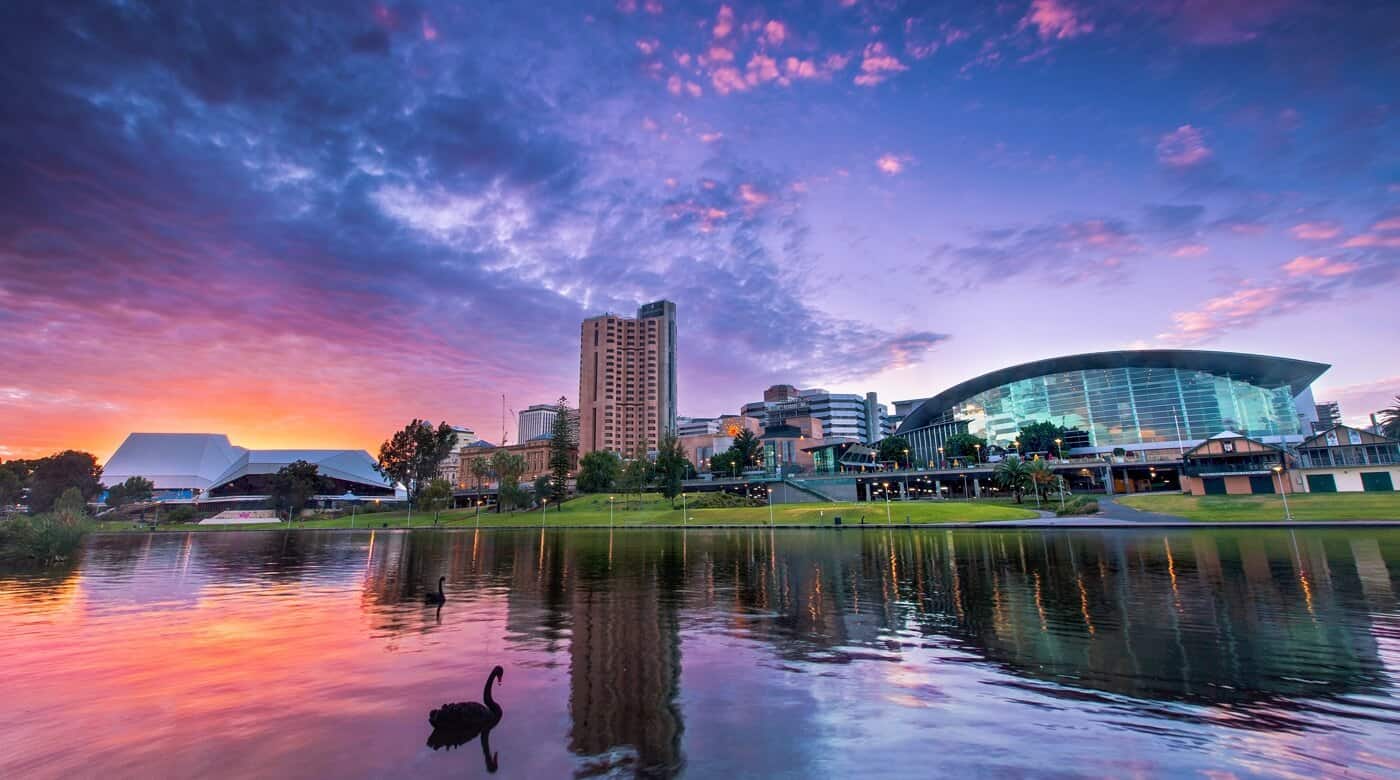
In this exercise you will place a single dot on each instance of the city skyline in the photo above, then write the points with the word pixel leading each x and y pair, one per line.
pixel 304 228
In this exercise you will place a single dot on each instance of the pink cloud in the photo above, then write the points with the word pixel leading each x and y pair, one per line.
pixel 682 58
pixel 653 7
pixel 891 164
pixel 719 54
pixel 648 46
pixel 1372 240
pixel 752 195
pixel 1305 265
pixel 1054 20
pixel 877 64
pixel 1392 223
pixel 774 33
pixel 724 22
pixel 710 138
pixel 674 85
pixel 627 6
pixel 430 33
pixel 1183 147
pixel 1316 231
pixel 694 89
pixel 726 80
pixel 1191 250
pixel 761 68
pixel 1238 309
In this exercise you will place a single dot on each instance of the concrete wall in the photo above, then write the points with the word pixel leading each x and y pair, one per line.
pixel 1349 478
pixel 1236 485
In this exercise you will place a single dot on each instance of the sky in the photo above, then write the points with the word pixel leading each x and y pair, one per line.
pixel 305 224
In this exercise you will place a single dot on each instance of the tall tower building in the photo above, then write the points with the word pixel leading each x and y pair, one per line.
pixel 627 380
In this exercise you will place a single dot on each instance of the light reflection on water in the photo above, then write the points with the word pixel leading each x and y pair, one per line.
pixel 710 653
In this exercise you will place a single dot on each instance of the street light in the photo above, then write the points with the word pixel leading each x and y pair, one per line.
pixel 1061 449
pixel 1278 469
pixel 544 518
pixel 940 457
pixel 888 520
pixel 978 447
pixel 611 499
pixel 683 519
pixel 770 506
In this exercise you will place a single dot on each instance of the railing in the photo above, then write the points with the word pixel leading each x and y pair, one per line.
pixel 1197 469
pixel 1339 459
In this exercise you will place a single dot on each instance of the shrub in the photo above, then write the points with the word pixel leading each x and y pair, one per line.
pixel 180 513
pixel 1079 505
pixel 43 538
pixel 722 500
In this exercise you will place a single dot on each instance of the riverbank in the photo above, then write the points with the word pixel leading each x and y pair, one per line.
pixel 1338 507
pixel 651 512
pixel 41 539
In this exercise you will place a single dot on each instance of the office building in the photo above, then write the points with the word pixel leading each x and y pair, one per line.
pixel 1145 401
pixel 1329 416
pixel 843 416
pixel 538 421
pixel 627 380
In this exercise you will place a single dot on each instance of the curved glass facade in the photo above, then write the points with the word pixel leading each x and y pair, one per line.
pixel 1127 407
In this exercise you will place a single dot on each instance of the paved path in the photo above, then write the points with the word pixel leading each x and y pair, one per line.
pixel 1112 510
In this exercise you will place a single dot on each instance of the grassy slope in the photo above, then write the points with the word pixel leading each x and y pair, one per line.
pixel 1309 506
pixel 653 510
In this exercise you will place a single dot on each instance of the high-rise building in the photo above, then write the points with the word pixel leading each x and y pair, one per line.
pixel 844 416
pixel 538 420
pixel 1329 416
pixel 627 380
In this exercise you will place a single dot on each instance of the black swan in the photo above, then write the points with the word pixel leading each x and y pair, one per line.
pixel 457 724
pixel 436 598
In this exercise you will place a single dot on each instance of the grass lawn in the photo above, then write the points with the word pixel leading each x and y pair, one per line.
pixel 653 510
pixel 1307 506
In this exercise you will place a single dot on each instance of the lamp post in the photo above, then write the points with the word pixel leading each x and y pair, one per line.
pixel 770 506
pixel 683 518
pixel 978 447
pixel 611 499
pixel 1061 448
pixel 544 518
pixel 1282 491
pixel 478 512
pixel 940 457
pixel 888 519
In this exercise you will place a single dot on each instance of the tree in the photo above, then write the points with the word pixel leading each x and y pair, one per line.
pixel 896 449
pixel 598 471
pixel 1042 476
pixel 481 469
pixel 11 487
pixel 55 474
pixel 561 451
pixel 412 456
pixel 293 486
pixel 544 487
pixel 436 497
pixel 962 445
pixel 636 474
pixel 508 467
pixel 1040 437
pixel 730 462
pixel 1013 474
pixel 134 490
pixel 1390 420
pixel 748 446
pixel 671 466
pixel 70 508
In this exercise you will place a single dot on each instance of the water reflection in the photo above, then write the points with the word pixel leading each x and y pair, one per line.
pixel 716 652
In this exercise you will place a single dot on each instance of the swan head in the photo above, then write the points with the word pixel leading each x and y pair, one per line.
pixel 498 672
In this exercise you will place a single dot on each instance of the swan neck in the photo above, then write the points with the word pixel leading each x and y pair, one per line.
pixel 486 692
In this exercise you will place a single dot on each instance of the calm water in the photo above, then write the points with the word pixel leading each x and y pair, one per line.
pixel 711 654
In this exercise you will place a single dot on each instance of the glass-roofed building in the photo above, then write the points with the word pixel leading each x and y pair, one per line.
pixel 1138 400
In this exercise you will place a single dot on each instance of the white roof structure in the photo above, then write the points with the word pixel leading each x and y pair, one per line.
pixel 204 461
pixel 172 461
pixel 349 465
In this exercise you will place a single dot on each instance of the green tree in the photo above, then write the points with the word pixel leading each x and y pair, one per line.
pixel 598 471
pixel 963 445
pixel 412 456
pixel 894 449
pixel 561 452
pixel 11 487
pixel 1390 420
pixel 436 497
pixel 1040 437
pixel 728 463
pixel 55 474
pixel 1042 475
pixel 636 475
pixel 133 491
pixel 481 469
pixel 544 487
pixel 672 467
pixel 508 467
pixel 70 508
pixel 293 486
pixel 1013 474
pixel 750 449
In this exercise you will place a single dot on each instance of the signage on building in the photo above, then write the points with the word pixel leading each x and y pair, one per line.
pixel 653 309
pixel 1354 437
pixel 1332 439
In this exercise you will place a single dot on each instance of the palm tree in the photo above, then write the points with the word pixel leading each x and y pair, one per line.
pixel 1013 474
pixel 481 469
pixel 1041 475
pixel 1390 420
pixel 748 445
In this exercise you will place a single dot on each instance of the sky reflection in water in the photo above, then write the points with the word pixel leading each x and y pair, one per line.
pixel 714 653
